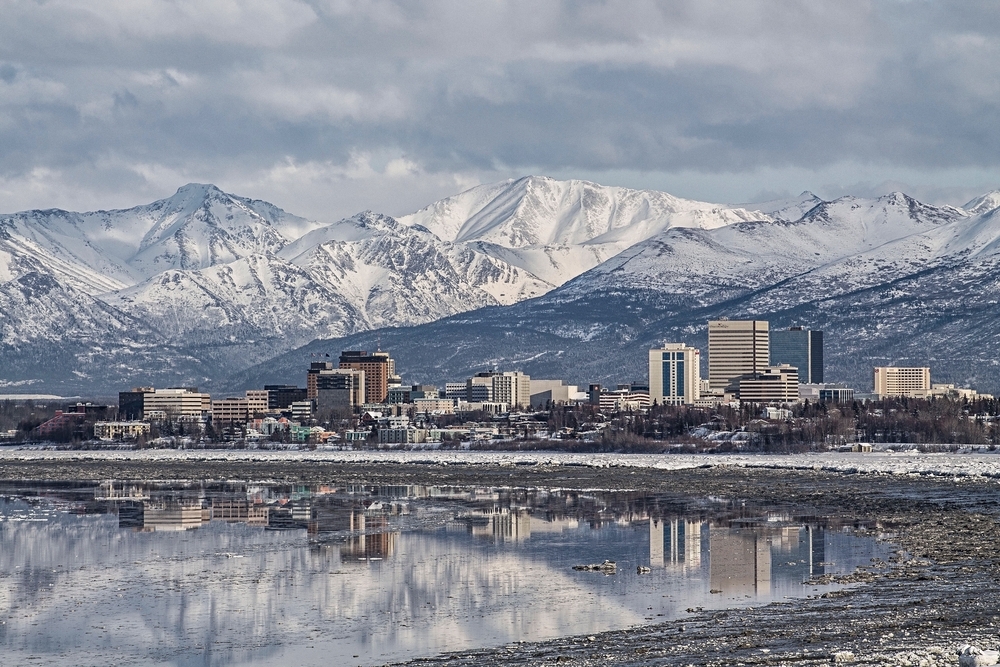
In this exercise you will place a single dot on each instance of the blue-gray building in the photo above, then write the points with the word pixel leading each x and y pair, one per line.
pixel 800 348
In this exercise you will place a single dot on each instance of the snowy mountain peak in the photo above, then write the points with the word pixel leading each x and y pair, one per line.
pixel 785 209
pixel 539 211
pixel 983 203
pixel 198 191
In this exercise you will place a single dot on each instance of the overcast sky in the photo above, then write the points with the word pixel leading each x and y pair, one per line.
pixel 330 107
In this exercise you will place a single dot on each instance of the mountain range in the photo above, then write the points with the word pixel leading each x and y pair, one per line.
pixel 559 278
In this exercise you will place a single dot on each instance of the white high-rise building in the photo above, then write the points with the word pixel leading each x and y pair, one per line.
pixel 674 374
pixel 512 388
pixel 736 348
pixel 894 381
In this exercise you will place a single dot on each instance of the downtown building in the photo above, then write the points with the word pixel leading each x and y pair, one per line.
pixel 674 374
pixel 736 348
pixel 800 348
pixel 772 384
pixel 379 369
pixel 893 381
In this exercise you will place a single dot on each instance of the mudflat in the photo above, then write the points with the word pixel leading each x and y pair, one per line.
pixel 939 591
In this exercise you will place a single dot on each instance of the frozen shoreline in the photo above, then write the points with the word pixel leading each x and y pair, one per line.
pixel 979 464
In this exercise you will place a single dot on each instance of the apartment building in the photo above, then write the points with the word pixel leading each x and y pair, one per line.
pixel 379 369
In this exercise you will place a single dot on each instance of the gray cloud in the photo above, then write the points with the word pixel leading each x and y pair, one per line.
pixel 327 107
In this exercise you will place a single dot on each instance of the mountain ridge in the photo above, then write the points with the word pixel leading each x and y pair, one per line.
pixel 204 285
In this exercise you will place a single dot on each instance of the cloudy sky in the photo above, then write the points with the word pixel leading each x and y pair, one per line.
pixel 328 107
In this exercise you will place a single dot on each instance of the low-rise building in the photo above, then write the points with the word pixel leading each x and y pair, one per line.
pixel 775 384
pixel 776 414
pixel 407 435
pixel 489 407
pixel 177 402
pixel 625 397
pixel 230 410
pixel 438 406
pixel 952 392
pixel 302 410
pixel 120 430
pixel 552 392
pixel 825 393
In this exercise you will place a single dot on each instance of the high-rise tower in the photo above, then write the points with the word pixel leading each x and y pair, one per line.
pixel 674 374
pixel 735 348
pixel 800 348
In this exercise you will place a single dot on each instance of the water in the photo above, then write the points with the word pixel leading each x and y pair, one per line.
pixel 248 575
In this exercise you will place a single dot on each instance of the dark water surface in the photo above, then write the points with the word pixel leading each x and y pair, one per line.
pixel 236 574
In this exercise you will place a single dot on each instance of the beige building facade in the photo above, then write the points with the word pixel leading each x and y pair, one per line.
pixel 512 388
pixel 773 384
pixel 230 410
pixel 893 381
pixel 674 374
pixel 174 403
pixel 120 430
pixel 736 348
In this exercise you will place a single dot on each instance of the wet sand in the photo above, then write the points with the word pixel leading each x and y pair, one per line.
pixel 940 590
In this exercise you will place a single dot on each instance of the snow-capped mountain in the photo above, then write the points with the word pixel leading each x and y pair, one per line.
pixel 890 280
pixel 578 279
pixel 224 271
pixel 556 230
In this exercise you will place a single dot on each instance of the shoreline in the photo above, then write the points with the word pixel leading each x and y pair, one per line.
pixel 937 595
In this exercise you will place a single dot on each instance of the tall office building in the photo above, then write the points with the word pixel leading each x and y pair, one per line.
pixel 315 368
pixel 800 348
pixel 378 368
pixel 735 348
pixel 893 381
pixel 339 388
pixel 131 404
pixel 674 374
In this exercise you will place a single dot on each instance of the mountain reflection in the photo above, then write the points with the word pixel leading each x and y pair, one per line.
pixel 221 574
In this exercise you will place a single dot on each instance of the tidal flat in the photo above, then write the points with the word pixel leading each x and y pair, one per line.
pixel 924 580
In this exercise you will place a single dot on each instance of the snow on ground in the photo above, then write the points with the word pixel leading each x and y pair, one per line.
pixel 978 464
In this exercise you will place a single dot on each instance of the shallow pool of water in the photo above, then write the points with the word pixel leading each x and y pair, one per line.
pixel 230 574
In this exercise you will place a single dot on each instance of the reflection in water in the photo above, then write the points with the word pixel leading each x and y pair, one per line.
pixel 741 562
pixel 227 574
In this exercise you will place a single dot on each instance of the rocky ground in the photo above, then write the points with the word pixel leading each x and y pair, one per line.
pixel 939 591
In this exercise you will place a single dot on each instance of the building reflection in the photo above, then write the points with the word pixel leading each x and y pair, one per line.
pixel 740 561
pixel 173 515
pixel 675 542
pixel 740 547
pixel 383 566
